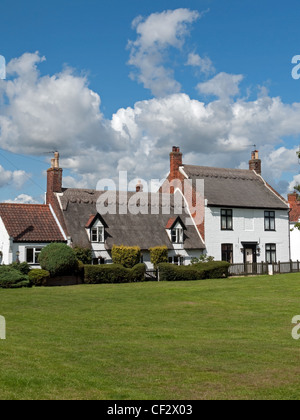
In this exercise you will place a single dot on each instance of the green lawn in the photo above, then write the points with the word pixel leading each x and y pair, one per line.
pixel 212 339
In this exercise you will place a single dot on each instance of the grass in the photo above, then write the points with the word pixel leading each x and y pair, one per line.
pixel 212 339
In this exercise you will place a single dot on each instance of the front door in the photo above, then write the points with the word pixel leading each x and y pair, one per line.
pixel 249 255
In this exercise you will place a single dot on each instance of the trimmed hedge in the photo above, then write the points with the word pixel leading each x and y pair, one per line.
pixel 39 277
pixel 128 256
pixel 158 255
pixel 200 271
pixel 113 273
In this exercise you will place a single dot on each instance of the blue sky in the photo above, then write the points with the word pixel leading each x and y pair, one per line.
pixel 211 76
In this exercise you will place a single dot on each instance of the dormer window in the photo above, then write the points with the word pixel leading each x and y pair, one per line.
pixel 177 235
pixel 175 229
pixel 97 234
pixel 95 229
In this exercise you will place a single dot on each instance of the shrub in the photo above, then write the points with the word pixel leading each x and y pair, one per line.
pixel 113 273
pixel 39 277
pixel 9 278
pixel 199 271
pixel 83 254
pixel 59 259
pixel 23 267
pixel 171 272
pixel 214 269
pixel 137 273
pixel 127 256
pixel 158 254
pixel 202 258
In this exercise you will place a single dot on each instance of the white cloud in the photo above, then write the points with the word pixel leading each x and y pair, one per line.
pixel 155 35
pixel 204 64
pixel 43 113
pixel 15 178
pixel 223 85
pixel 22 199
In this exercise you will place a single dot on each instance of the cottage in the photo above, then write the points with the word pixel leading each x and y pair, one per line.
pixel 135 219
pixel 243 218
pixel 25 229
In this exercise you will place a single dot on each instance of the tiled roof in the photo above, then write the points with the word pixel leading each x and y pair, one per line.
pixel 235 188
pixel 30 223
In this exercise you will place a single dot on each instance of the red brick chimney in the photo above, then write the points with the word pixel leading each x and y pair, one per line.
pixel 255 162
pixel 292 198
pixel 175 162
pixel 54 178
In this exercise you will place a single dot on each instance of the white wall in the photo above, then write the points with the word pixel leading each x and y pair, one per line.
pixel 295 242
pixel 5 245
pixel 248 226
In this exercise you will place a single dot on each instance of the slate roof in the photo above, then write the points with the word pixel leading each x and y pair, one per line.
pixel 30 223
pixel 235 188
pixel 143 230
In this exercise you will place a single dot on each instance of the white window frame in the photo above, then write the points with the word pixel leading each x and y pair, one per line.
pixel 177 235
pixel 36 252
pixel 99 230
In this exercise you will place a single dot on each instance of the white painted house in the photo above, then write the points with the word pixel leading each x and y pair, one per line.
pixel 25 229
pixel 294 203
pixel 244 218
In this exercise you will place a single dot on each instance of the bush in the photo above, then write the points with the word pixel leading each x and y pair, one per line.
pixel 214 269
pixel 39 277
pixel 158 254
pixel 23 267
pixel 11 278
pixel 199 271
pixel 171 272
pixel 127 256
pixel 83 254
pixel 59 259
pixel 113 273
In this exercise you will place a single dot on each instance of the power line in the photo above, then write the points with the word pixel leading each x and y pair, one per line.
pixel 27 176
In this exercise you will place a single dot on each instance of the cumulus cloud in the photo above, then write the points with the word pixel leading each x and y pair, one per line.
pixel 155 35
pixel 50 112
pixel 22 199
pixel 205 64
pixel 15 178
pixel 223 85
pixel 43 113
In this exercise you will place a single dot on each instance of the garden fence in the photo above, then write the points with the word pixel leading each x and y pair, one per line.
pixel 254 269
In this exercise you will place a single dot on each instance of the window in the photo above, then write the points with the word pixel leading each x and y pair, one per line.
pixel 97 234
pixel 226 219
pixel 270 253
pixel 227 253
pixel 176 260
pixel 269 220
pixel 99 261
pixel 177 235
pixel 32 255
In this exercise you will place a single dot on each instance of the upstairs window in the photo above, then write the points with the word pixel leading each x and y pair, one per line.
pixel 269 220
pixel 226 219
pixel 177 235
pixel 97 234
